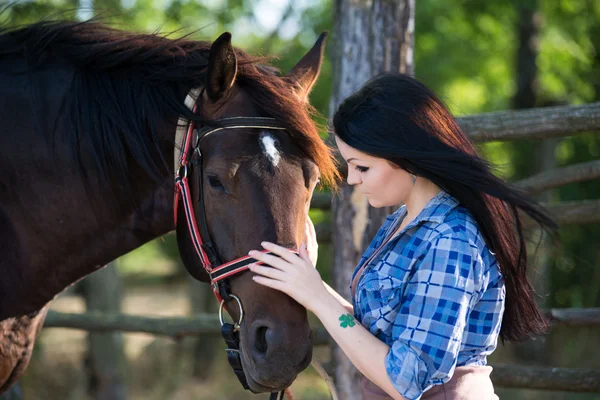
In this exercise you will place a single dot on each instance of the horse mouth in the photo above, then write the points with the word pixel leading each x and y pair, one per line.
pixel 263 387
pixel 258 384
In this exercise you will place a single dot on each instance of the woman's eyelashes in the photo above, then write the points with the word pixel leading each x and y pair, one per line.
pixel 361 169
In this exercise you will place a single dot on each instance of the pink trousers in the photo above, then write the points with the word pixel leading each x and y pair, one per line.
pixel 467 383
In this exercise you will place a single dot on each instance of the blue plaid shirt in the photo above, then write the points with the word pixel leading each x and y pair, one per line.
pixel 434 294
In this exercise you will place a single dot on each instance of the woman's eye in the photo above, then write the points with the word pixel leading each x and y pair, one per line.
pixel 362 169
pixel 214 182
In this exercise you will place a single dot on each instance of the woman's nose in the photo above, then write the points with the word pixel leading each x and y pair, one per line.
pixel 353 177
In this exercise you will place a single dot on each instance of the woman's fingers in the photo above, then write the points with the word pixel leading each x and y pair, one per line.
pixel 272 283
pixel 282 252
pixel 269 272
pixel 269 259
pixel 304 254
pixel 311 241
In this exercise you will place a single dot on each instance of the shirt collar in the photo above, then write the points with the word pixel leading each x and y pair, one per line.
pixel 434 211
pixel 438 208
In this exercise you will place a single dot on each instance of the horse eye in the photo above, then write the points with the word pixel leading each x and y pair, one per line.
pixel 214 182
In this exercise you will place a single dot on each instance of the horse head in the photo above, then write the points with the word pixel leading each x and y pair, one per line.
pixel 255 182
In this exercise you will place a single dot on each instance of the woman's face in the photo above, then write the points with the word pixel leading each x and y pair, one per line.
pixel 383 183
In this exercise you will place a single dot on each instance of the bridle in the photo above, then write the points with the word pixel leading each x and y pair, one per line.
pixel 187 157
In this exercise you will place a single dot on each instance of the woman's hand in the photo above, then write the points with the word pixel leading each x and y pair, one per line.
pixel 311 241
pixel 292 274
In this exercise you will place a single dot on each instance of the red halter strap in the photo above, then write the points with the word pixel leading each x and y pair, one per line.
pixel 205 250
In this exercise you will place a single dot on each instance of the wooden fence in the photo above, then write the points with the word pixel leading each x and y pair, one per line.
pixel 565 379
pixel 507 125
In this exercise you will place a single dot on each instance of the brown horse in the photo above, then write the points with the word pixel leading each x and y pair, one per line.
pixel 87 143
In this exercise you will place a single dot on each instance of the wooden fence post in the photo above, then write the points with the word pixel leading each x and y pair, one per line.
pixel 106 362
pixel 369 38
pixel 206 348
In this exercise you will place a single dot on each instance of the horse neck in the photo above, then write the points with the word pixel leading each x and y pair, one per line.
pixel 56 235
pixel 55 256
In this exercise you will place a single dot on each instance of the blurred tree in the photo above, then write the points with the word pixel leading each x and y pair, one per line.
pixel 386 44
pixel 525 96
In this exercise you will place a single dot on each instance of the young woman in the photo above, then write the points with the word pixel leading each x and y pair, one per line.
pixel 445 276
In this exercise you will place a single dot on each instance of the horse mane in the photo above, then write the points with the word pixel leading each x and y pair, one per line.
pixel 127 86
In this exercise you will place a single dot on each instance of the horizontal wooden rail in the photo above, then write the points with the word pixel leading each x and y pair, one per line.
pixel 513 376
pixel 547 378
pixel 581 380
pixel 176 327
pixel 576 212
pixel 534 123
pixel 561 176
pixel 574 316
pixel 208 324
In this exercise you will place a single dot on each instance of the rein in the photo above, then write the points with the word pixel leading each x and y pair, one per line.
pixel 188 156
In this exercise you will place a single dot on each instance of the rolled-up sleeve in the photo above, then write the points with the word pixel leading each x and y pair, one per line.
pixel 434 307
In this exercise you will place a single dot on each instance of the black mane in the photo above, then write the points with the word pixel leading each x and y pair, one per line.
pixel 127 86
pixel 124 88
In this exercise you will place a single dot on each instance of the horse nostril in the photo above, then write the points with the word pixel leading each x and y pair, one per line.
pixel 260 342
pixel 265 341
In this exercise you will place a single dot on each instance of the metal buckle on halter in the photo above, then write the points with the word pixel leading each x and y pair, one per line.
pixel 196 138
pixel 182 172
pixel 237 324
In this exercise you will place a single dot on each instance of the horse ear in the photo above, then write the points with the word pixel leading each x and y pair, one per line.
pixel 304 74
pixel 222 67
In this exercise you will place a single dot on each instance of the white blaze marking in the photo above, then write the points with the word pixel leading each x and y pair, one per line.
pixel 268 146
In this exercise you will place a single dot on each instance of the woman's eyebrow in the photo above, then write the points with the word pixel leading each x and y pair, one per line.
pixel 352 159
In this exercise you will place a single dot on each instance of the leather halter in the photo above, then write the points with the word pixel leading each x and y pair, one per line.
pixel 188 155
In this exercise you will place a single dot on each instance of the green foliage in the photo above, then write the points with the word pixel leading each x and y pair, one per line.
pixel 465 52
pixel 569 51
pixel 156 261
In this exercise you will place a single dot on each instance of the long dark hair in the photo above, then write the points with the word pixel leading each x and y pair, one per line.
pixel 394 116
